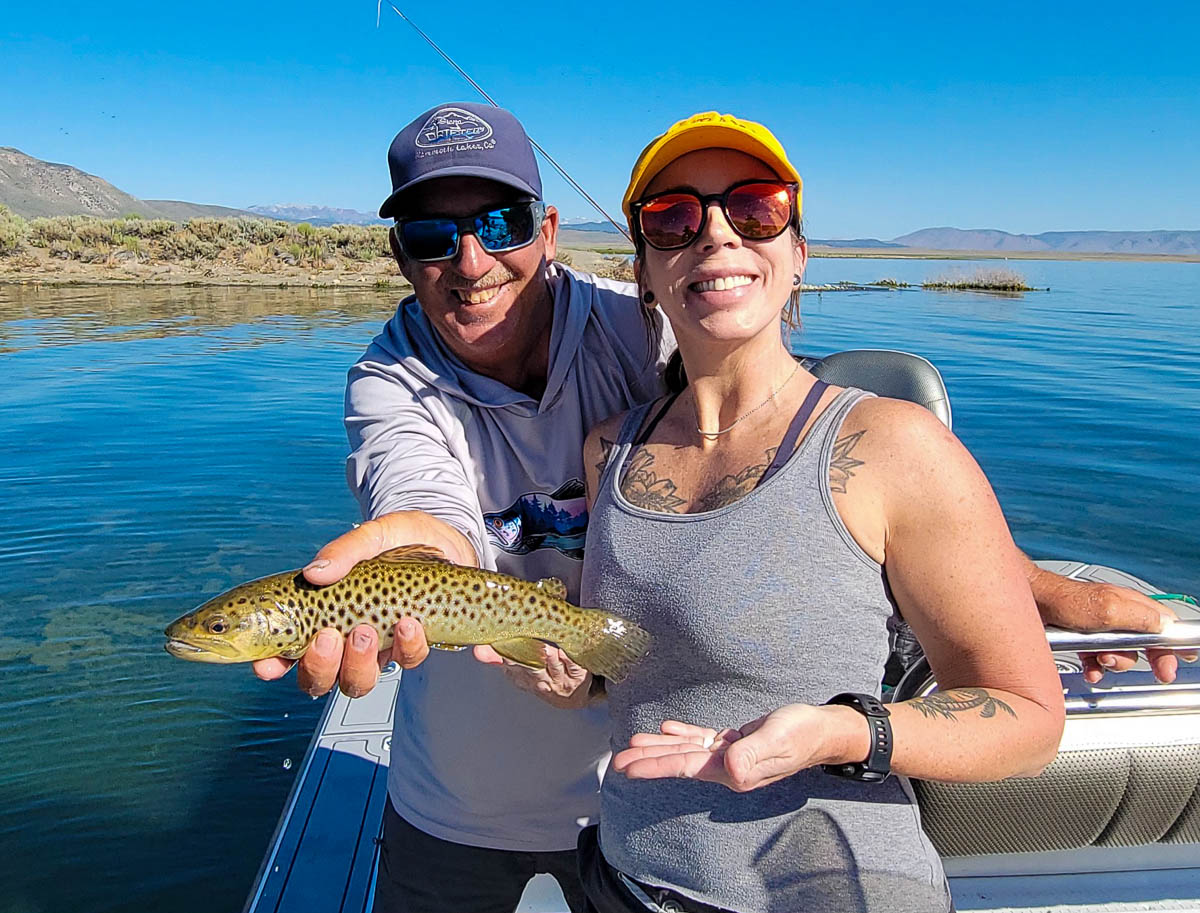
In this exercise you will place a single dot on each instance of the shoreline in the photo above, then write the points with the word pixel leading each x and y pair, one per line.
pixel 37 268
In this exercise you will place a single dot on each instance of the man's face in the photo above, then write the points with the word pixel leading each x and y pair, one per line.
pixel 487 307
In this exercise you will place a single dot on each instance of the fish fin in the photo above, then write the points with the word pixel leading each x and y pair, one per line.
pixel 612 646
pixel 417 552
pixel 453 648
pixel 524 651
pixel 553 587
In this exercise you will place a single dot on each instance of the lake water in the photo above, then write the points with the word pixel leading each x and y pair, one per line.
pixel 159 445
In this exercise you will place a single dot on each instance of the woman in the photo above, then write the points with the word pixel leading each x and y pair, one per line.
pixel 767 529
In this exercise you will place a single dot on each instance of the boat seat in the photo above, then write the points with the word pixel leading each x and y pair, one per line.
pixel 1119 781
pixel 885 372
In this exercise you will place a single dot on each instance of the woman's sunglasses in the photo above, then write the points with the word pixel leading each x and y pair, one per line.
pixel 497 230
pixel 756 210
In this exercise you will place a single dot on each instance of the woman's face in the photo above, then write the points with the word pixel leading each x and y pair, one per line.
pixel 756 275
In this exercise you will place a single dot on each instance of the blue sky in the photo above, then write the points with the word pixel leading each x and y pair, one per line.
pixel 1023 117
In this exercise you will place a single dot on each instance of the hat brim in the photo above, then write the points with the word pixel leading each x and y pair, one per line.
pixel 706 136
pixel 389 207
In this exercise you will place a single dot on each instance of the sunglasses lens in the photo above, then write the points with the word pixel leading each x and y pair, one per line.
pixel 505 229
pixel 429 239
pixel 758 211
pixel 671 220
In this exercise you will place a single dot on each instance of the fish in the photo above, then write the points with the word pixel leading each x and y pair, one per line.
pixel 458 607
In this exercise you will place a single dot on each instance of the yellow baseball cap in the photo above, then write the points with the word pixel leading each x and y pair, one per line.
pixel 709 130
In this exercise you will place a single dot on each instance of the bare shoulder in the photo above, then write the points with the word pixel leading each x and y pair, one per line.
pixel 909 453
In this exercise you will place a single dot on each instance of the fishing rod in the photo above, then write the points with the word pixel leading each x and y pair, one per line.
pixel 491 101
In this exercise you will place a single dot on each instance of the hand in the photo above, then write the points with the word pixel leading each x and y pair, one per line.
pixel 770 748
pixel 563 683
pixel 352 662
pixel 1081 605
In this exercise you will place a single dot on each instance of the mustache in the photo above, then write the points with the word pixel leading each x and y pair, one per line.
pixel 497 275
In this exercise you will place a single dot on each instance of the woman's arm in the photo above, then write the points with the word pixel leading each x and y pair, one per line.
pixel 960 582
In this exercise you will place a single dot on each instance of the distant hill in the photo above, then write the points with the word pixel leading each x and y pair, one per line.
pixel 317 215
pixel 33 188
pixel 855 242
pixel 1105 242
pixel 590 226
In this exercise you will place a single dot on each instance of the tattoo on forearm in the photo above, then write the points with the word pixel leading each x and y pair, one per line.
pixel 732 487
pixel 946 704
pixel 842 465
pixel 645 489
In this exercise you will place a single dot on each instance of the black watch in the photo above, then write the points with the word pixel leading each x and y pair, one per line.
pixel 878 765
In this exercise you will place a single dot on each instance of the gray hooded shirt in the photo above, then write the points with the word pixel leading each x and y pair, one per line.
pixel 473 759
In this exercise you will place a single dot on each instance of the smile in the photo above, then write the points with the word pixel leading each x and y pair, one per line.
pixel 479 296
pixel 721 283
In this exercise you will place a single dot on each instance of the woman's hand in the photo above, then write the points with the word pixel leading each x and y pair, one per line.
pixel 562 683
pixel 785 741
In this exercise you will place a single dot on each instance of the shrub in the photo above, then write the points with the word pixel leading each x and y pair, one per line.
pixel 13 232
pixel 996 279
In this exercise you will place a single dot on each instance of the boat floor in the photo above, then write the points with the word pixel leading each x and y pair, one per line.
pixel 323 854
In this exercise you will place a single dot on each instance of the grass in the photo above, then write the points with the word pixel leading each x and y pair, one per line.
pixel 259 244
pixel 981 280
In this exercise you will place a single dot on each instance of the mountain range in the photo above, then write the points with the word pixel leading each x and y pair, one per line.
pixel 31 188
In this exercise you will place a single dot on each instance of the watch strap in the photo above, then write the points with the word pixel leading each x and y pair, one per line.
pixel 878 763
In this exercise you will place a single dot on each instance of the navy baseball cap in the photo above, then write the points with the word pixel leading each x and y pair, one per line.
pixel 467 139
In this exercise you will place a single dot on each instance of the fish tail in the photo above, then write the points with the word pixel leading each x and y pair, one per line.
pixel 610 646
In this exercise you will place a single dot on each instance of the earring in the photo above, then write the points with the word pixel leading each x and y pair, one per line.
pixel 648 299
pixel 796 280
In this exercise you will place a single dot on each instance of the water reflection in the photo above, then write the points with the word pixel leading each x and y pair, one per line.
pixel 35 316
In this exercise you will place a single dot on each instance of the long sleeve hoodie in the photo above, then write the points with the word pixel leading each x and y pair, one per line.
pixel 473 759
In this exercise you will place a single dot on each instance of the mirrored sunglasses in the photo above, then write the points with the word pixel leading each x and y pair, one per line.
pixel 756 210
pixel 497 230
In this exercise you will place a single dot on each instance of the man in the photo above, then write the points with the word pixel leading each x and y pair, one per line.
pixel 468 410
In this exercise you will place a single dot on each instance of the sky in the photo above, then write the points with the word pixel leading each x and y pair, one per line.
pixel 1021 117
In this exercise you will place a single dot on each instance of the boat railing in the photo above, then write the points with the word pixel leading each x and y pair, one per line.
pixel 1119 693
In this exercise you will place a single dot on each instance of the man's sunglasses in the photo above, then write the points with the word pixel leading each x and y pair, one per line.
pixel 497 230
pixel 756 210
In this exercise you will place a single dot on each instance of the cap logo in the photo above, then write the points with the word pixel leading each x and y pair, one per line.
pixel 453 127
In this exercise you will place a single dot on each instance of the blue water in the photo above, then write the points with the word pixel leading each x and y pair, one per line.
pixel 160 445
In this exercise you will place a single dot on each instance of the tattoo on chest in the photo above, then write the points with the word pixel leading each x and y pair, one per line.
pixel 606 447
pixel 732 487
pixel 945 704
pixel 842 465
pixel 642 486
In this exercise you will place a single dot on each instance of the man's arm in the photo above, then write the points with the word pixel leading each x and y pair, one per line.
pixel 1081 605
pixel 414 491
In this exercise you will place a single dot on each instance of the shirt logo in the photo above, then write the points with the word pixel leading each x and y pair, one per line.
pixel 539 519
pixel 452 127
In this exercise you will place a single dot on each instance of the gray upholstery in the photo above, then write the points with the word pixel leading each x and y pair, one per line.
pixel 895 374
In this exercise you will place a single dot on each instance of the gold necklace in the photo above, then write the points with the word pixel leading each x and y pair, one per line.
pixel 700 431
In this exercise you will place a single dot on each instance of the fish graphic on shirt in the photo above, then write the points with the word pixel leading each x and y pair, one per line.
pixel 540 520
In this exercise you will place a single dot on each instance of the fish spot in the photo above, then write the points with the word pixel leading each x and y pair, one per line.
pixel 475 588
pixel 533 600
pixel 290 631
pixel 472 615
pixel 241 600
pixel 375 618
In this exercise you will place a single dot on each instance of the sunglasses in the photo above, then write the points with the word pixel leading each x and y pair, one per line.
pixel 756 210
pixel 497 230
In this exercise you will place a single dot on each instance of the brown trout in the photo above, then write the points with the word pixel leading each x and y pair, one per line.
pixel 458 607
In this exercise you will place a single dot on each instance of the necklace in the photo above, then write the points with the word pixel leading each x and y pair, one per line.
pixel 746 415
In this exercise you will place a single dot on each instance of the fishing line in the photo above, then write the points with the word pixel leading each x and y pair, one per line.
pixel 491 101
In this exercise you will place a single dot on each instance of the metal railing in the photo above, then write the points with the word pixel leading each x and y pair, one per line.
pixel 1113 696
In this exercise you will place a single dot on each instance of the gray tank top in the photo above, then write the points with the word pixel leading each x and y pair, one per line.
pixel 764 602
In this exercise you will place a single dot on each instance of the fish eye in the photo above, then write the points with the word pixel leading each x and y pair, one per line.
pixel 217 626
